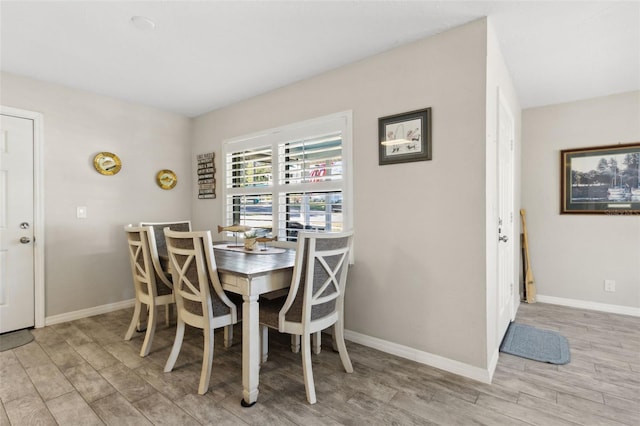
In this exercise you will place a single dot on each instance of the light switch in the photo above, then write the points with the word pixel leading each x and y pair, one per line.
pixel 609 285
pixel 81 212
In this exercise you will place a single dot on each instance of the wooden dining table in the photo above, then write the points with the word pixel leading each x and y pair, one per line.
pixel 252 275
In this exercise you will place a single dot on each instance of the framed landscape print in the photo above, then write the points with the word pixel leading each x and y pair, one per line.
pixel 601 180
pixel 405 137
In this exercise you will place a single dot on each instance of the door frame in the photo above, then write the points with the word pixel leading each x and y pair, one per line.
pixel 504 105
pixel 38 207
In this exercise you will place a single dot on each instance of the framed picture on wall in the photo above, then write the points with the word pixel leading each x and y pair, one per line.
pixel 405 137
pixel 601 180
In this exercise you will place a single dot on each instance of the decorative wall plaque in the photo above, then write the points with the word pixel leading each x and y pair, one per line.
pixel 107 163
pixel 206 176
pixel 166 179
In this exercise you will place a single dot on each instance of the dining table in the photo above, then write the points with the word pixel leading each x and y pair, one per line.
pixel 251 274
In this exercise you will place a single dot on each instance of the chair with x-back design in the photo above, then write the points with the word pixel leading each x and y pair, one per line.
pixel 152 286
pixel 200 300
pixel 316 297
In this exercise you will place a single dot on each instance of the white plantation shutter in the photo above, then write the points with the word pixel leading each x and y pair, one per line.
pixel 249 168
pixel 311 161
pixel 291 178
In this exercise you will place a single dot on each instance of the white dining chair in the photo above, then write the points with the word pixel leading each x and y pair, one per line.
pixel 316 298
pixel 152 287
pixel 200 300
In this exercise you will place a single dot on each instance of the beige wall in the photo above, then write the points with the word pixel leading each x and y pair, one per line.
pixel 86 260
pixel 572 255
pixel 419 273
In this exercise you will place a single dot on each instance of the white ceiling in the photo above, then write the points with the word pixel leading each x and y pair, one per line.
pixel 204 55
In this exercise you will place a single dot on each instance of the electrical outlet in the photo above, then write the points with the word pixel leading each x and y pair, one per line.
pixel 609 285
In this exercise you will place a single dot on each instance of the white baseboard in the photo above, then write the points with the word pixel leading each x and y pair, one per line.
pixel 594 306
pixel 427 358
pixel 89 312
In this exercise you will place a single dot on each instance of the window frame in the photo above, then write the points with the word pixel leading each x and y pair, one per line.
pixel 307 129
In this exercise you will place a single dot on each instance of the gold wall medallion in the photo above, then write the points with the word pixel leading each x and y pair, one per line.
pixel 107 163
pixel 166 179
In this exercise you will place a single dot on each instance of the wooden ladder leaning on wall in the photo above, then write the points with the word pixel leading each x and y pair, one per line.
pixel 529 284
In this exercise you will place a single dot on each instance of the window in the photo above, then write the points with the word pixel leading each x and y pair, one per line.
pixel 291 178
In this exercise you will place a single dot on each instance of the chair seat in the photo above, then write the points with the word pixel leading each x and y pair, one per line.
pixel 270 311
pixel 219 307
pixel 237 300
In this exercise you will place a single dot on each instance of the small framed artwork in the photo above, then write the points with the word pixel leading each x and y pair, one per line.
pixel 406 137
pixel 601 180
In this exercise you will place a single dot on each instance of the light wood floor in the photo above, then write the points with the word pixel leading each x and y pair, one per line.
pixel 83 373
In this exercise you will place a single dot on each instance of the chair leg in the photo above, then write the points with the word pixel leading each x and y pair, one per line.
pixel 264 343
pixel 338 330
pixel 228 336
pixel 207 361
pixel 333 338
pixel 143 318
pixel 317 342
pixel 151 330
pixel 295 343
pixel 177 345
pixel 134 320
pixel 167 314
pixel 306 369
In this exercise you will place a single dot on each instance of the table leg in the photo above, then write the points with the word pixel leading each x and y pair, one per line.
pixel 250 350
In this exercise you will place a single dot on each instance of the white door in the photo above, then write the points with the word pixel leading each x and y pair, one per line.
pixel 506 234
pixel 17 279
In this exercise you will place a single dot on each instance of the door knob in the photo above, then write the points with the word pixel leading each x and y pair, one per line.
pixel 25 240
pixel 503 238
